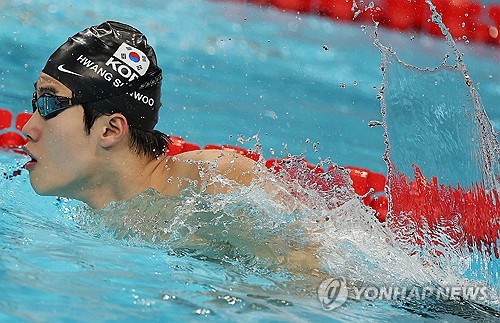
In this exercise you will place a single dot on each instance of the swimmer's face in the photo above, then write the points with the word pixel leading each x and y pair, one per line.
pixel 61 150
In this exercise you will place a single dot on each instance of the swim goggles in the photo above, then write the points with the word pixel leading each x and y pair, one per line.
pixel 50 106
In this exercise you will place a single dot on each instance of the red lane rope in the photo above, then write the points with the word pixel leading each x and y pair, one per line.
pixel 465 19
pixel 12 138
pixel 463 213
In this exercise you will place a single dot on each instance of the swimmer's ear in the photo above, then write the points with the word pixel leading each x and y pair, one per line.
pixel 114 130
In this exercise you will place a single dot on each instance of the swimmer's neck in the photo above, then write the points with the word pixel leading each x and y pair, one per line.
pixel 125 176
pixel 123 179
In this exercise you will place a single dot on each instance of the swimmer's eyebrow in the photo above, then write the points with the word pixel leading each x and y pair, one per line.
pixel 48 89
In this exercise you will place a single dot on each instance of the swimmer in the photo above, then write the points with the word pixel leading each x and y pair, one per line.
pixel 92 136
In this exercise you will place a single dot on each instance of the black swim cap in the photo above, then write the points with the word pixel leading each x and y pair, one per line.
pixel 112 68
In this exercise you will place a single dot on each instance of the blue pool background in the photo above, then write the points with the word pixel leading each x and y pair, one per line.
pixel 224 62
pixel 230 70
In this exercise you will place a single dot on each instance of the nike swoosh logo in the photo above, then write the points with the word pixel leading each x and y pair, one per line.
pixel 62 69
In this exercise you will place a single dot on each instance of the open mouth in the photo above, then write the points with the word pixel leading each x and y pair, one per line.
pixel 30 164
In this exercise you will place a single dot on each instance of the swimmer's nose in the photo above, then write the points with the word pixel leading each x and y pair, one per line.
pixel 30 130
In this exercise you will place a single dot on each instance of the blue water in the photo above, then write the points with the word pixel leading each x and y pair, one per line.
pixel 231 72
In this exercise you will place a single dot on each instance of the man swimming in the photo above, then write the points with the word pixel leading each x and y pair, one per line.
pixel 92 138
pixel 92 135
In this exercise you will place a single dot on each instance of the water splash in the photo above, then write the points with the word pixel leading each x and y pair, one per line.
pixel 247 230
pixel 300 223
pixel 436 125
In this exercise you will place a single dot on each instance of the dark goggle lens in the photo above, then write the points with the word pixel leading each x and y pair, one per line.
pixel 49 106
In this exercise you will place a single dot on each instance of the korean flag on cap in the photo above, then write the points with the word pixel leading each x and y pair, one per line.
pixel 133 57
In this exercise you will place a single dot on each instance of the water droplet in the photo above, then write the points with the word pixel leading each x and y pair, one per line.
pixel 355 83
pixel 271 114
pixel 342 85
pixel 315 147
pixel 168 297
pixel 325 47
pixel 202 311
pixel 374 123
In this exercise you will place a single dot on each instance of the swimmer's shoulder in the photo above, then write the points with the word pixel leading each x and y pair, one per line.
pixel 230 164
pixel 215 155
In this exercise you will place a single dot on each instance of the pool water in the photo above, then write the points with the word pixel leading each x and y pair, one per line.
pixel 240 75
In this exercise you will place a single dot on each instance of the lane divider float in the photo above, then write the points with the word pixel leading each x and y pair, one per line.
pixel 466 215
pixel 12 138
pixel 465 19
